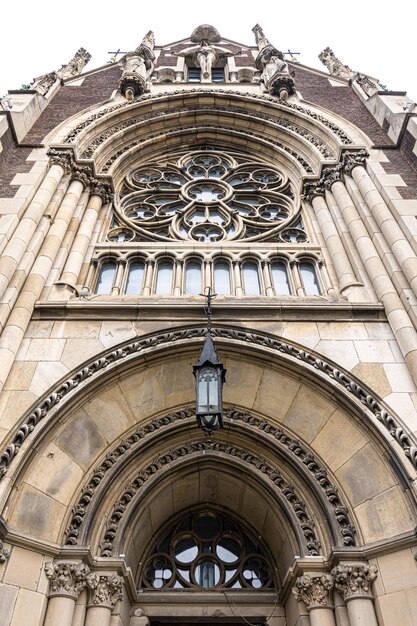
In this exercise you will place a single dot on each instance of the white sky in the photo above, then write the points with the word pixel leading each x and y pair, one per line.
pixel 371 36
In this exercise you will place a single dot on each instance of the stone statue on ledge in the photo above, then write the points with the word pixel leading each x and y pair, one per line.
pixel 43 83
pixel 334 65
pixel 206 56
pixel 137 67
pixel 270 61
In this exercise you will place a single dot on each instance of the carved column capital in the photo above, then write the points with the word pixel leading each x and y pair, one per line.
pixel 101 189
pixel 67 579
pixel 355 581
pixel 314 591
pixel 104 591
pixel 64 158
pixel 312 189
pixel 353 159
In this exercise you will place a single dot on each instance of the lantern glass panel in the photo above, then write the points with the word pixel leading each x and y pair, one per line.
pixel 208 391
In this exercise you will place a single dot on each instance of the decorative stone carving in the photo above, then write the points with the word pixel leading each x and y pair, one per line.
pixel 314 591
pixel 366 84
pixel 206 56
pixel 205 32
pixel 64 158
pixel 137 66
pixel 355 581
pixel 43 83
pixel 4 554
pixel 312 544
pixel 270 62
pixel 334 65
pixel 67 579
pixel 293 353
pixel 76 65
pixel 84 173
pixel 104 591
pixel 330 175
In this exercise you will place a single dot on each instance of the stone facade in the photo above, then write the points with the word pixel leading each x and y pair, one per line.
pixel 128 191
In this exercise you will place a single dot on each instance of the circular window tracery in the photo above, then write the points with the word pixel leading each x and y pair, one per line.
pixel 207 197
pixel 206 550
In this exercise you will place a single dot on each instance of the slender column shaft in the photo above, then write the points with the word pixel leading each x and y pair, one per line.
pixel 238 279
pixel 60 611
pixel 178 277
pixel 118 281
pixel 79 248
pixel 397 316
pixel 80 610
pixel 299 287
pixel 269 290
pixel 361 612
pixel 147 285
pixel 17 245
pixel 20 317
pixel 392 232
pixel 341 263
pixel 322 616
pixel 98 616
pixel 207 275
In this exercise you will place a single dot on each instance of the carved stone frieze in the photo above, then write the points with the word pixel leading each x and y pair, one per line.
pixel 343 137
pixel 67 579
pixel 91 370
pixel 355 581
pixel 104 591
pixel 314 591
pixel 4 554
pixel 312 544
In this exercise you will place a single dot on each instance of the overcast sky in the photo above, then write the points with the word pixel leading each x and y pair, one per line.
pixel 374 37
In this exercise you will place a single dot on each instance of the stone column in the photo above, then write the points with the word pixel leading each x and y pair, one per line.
pixel 118 281
pixel 398 318
pixel 67 581
pixel 207 265
pixel 237 266
pixel 178 277
pixel 341 263
pixel 266 272
pixel 31 292
pixel 103 593
pixel 299 287
pixel 147 285
pixel 354 583
pixel 17 245
pixel 392 232
pixel 315 591
pixel 82 240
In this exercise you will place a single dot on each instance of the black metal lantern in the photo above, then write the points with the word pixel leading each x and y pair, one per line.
pixel 209 375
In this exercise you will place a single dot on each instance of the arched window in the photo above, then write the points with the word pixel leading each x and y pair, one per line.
pixel 207 550
pixel 106 278
pixel 164 277
pixel 193 277
pixel 280 278
pixel 309 278
pixel 250 275
pixel 222 277
pixel 135 278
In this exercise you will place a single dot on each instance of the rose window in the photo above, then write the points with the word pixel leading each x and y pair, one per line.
pixel 207 197
pixel 207 550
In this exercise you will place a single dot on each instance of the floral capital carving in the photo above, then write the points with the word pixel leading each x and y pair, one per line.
pixel 67 579
pixel 314 591
pixel 104 590
pixel 355 581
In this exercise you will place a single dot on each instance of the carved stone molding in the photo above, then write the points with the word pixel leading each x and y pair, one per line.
pixel 343 137
pixel 295 448
pixel 4 554
pixel 312 544
pixel 104 591
pixel 355 581
pixel 67 579
pixel 314 591
pixel 294 353
pixel 83 173
pixel 154 115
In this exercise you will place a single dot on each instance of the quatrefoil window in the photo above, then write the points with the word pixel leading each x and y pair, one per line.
pixel 207 196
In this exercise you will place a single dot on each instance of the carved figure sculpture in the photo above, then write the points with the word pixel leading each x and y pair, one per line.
pixel 270 61
pixel 42 84
pixel 206 56
pixel 137 66
pixel 334 65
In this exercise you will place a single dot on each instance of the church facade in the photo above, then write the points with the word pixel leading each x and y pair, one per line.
pixel 208 172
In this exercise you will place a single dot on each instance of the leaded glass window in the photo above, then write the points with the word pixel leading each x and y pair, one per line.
pixel 106 278
pixel 251 278
pixel 164 277
pixel 207 550
pixel 309 278
pixel 135 278
pixel 222 277
pixel 280 279
pixel 193 278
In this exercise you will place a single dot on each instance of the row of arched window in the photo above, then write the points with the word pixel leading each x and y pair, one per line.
pixel 167 276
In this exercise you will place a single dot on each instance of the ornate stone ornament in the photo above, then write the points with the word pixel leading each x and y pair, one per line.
pixel 137 66
pixel 67 579
pixel 270 62
pixel 314 591
pixel 334 65
pixel 207 196
pixel 4 554
pixel 104 591
pixel 355 581
pixel 43 83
